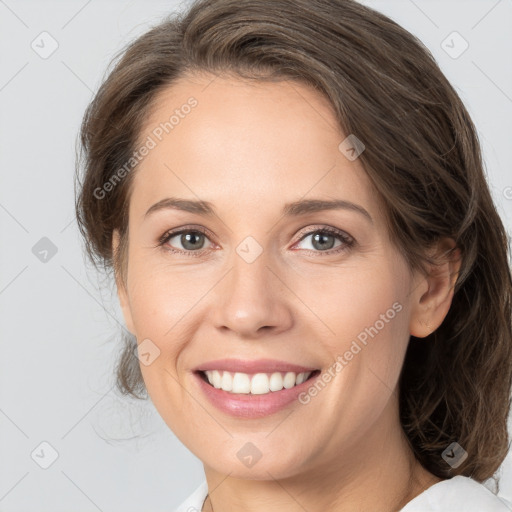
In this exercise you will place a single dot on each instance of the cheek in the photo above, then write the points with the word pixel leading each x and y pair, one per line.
pixel 156 305
pixel 361 305
pixel 367 313
pixel 159 311
pixel 159 297
pixel 166 309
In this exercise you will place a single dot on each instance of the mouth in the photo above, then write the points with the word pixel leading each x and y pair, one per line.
pixel 238 383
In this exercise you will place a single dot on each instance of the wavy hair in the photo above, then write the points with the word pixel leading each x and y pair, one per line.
pixel 422 155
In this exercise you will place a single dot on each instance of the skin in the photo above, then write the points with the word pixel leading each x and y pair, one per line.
pixel 243 146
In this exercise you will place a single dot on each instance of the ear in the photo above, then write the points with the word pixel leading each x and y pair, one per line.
pixel 121 288
pixel 433 294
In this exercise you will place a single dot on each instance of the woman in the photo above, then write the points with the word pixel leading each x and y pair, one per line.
pixel 308 259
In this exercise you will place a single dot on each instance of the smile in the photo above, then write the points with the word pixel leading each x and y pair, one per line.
pixel 255 384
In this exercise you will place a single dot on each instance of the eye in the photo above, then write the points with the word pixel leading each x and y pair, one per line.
pixel 190 240
pixel 323 240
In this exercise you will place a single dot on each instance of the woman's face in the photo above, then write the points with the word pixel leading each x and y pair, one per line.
pixel 264 282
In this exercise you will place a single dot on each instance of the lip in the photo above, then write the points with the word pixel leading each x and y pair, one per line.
pixel 254 366
pixel 252 406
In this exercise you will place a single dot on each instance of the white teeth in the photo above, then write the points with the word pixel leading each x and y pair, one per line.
pixel 257 384
pixel 300 378
pixel 276 382
pixel 227 381
pixel 289 380
pixel 216 379
pixel 241 383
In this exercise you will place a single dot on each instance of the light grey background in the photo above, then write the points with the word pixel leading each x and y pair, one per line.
pixel 60 320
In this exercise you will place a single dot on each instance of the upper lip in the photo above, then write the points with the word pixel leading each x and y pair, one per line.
pixel 254 366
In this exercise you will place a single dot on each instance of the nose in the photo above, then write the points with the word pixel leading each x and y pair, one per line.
pixel 252 300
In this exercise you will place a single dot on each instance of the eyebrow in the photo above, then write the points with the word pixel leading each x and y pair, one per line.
pixel 293 209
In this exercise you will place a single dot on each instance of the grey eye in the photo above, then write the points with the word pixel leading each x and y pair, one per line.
pixel 189 240
pixel 322 241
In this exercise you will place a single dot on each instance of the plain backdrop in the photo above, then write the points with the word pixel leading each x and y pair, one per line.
pixel 59 319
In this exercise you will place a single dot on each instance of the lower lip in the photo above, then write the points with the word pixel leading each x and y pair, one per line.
pixel 252 406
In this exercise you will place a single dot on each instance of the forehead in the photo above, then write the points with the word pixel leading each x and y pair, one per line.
pixel 229 139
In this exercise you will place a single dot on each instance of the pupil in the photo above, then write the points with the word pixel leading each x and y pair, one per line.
pixel 187 240
pixel 322 237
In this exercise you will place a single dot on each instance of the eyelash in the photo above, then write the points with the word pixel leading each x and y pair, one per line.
pixel 348 242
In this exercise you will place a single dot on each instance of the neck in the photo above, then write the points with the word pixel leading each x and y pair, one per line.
pixel 378 471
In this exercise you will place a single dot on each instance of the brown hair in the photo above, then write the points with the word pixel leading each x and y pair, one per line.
pixel 422 154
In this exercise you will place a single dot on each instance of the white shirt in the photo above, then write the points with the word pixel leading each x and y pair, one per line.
pixel 458 494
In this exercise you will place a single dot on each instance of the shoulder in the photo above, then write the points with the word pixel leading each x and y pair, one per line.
pixel 457 494
pixel 194 503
